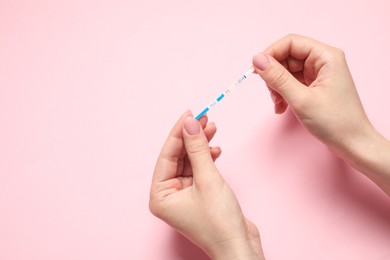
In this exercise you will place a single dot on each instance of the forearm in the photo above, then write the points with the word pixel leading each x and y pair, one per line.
pixel 370 154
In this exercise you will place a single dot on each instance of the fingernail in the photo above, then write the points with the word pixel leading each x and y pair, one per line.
pixel 191 125
pixel 261 61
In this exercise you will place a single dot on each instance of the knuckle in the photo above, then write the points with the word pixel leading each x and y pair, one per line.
pixel 337 52
pixel 340 51
pixel 292 35
pixel 279 79
pixel 154 209
pixel 195 148
pixel 338 55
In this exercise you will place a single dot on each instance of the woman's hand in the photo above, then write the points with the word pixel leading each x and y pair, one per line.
pixel 314 80
pixel 190 195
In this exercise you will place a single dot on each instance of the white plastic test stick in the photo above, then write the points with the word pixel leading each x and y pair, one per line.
pixel 227 91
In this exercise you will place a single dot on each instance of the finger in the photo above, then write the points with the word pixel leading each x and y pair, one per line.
pixel 314 53
pixel 278 78
pixel 215 152
pixel 187 169
pixel 294 65
pixel 275 96
pixel 284 63
pixel 281 107
pixel 297 46
pixel 203 121
pixel 210 131
pixel 303 79
pixel 198 152
pixel 171 153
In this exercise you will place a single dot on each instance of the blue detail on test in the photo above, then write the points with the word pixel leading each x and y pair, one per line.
pixel 227 91
pixel 202 113
pixel 220 97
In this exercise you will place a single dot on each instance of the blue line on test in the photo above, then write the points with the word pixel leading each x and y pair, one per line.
pixel 202 113
pixel 207 108
pixel 227 91
pixel 220 97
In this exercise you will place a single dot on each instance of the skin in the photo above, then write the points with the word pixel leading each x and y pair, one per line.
pixel 314 80
pixel 189 193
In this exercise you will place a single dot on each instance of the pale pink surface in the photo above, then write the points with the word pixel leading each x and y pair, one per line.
pixel 90 89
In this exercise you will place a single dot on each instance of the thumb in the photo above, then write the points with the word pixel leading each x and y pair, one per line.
pixel 198 150
pixel 278 78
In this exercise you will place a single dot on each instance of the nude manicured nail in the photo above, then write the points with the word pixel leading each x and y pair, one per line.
pixel 191 125
pixel 261 61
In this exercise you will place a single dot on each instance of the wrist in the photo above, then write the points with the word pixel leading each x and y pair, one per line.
pixel 353 145
pixel 368 153
pixel 236 250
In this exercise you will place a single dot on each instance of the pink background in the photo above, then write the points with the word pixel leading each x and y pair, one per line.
pixel 90 89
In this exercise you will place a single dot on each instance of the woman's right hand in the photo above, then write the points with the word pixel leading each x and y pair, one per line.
pixel 314 80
